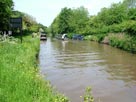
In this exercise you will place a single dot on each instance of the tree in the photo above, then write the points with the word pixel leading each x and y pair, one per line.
pixel 6 7
pixel 79 19
pixel 131 8
pixel 113 15
pixel 64 18
pixel 54 26
pixel 70 20
pixel 130 3
pixel 29 22
pixel 61 24
pixel 132 13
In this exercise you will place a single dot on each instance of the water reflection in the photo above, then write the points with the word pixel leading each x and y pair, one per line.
pixel 73 65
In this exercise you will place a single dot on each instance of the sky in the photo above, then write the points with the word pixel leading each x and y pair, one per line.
pixel 46 10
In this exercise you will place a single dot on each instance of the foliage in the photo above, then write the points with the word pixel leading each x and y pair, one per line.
pixel 119 17
pixel 130 27
pixel 88 96
pixel 123 41
pixel 70 20
pixel 132 13
pixel 79 20
pixel 29 22
pixel 130 3
pixel 6 11
pixel 6 7
pixel 20 81
pixel 70 35
pixel 113 15
pixel 97 37
pixel 54 28
pixel 64 18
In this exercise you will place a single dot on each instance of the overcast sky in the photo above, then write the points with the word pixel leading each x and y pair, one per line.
pixel 46 10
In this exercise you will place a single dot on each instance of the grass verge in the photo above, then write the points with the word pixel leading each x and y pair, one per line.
pixel 19 78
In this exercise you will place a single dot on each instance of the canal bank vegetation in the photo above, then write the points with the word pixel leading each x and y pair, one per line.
pixel 115 25
pixel 19 74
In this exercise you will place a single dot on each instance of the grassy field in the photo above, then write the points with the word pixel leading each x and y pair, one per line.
pixel 19 77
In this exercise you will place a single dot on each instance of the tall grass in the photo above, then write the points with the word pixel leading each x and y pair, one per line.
pixel 123 41
pixel 19 78
pixel 120 40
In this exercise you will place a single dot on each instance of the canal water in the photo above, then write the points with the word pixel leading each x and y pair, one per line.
pixel 71 66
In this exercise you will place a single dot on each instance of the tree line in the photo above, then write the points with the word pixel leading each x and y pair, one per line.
pixel 7 11
pixel 119 17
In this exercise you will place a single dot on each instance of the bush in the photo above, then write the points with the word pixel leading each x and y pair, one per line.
pixel 130 27
pixel 70 35
pixel 123 41
pixel 116 28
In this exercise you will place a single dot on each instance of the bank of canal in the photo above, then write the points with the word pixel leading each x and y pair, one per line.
pixel 71 66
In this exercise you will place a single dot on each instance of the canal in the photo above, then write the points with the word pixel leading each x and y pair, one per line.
pixel 71 66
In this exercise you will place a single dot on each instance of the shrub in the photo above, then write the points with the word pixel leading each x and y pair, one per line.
pixel 130 27
pixel 123 41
